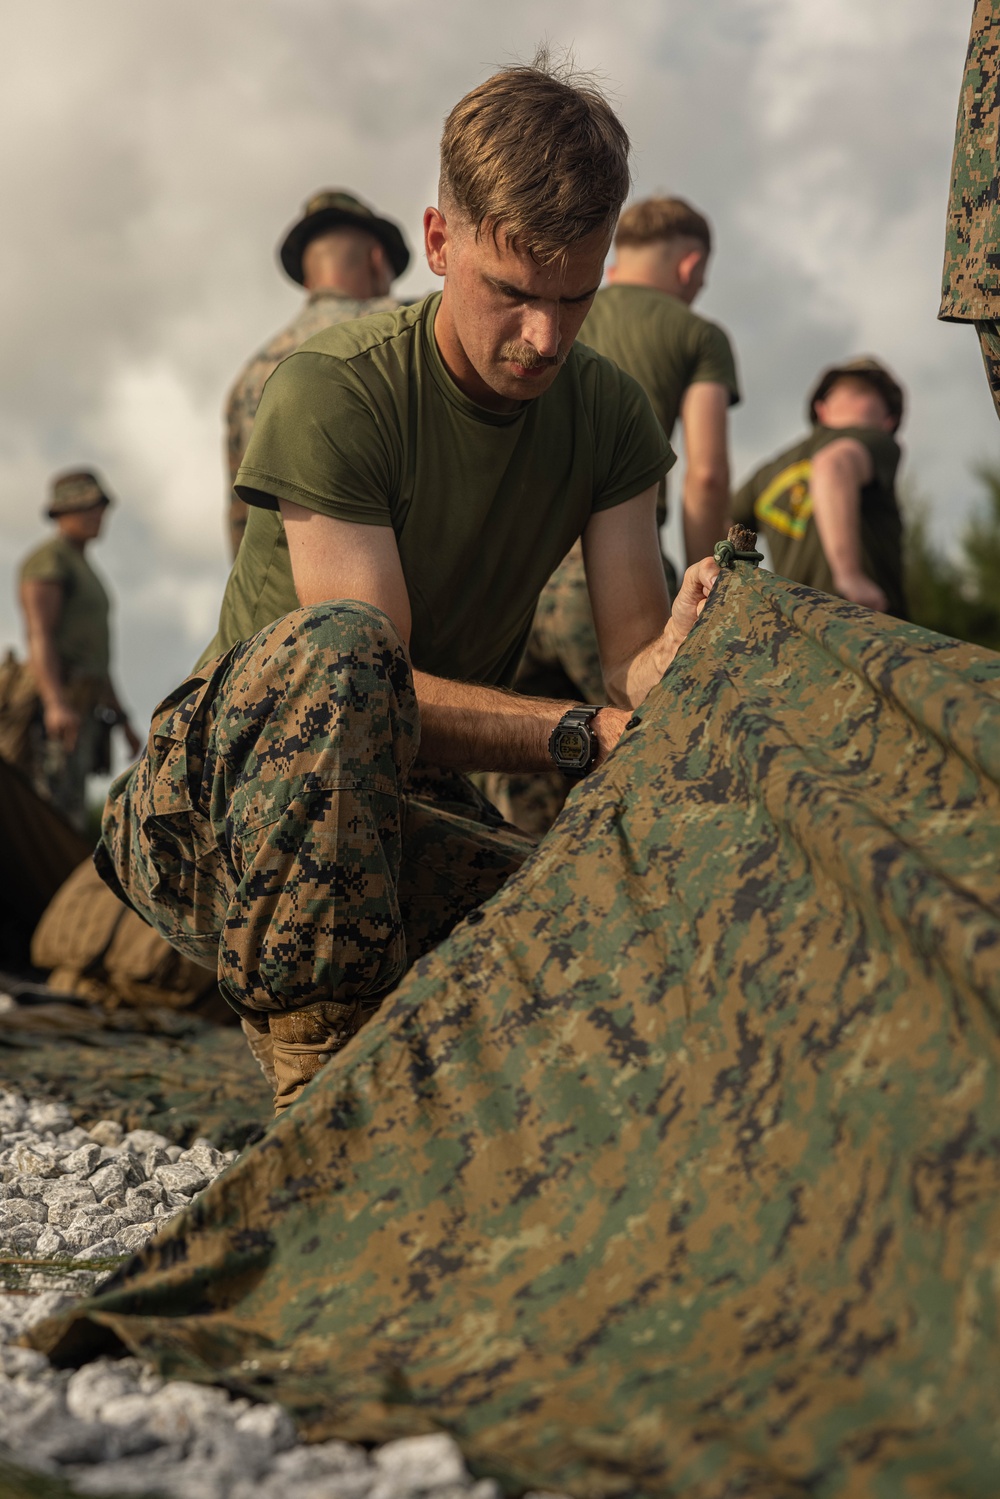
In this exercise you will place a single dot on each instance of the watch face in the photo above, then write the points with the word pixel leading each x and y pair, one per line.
pixel 572 748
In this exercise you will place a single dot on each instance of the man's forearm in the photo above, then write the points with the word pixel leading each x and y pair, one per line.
pixel 706 512
pixel 467 727
pixel 45 668
pixel 630 682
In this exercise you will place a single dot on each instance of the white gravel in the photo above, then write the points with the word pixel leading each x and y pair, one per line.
pixel 73 1201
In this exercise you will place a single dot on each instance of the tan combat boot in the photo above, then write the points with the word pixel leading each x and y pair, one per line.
pixel 304 1040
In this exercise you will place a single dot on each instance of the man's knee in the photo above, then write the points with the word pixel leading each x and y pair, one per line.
pixel 334 674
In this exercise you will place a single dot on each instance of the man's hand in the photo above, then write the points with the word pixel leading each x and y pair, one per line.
pixel 858 588
pixel 634 678
pixel 62 723
pixel 692 596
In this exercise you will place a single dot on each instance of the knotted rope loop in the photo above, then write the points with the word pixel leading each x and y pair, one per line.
pixel 739 546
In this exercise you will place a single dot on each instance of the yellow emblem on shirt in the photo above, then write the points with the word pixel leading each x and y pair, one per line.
pixel 786 504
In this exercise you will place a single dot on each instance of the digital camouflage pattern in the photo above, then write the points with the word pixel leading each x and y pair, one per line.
pixel 970 289
pixel 272 828
pixel 675 1169
pixel 182 1075
pixel 321 310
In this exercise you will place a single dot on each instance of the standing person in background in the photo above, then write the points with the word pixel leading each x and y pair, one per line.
pixel 347 258
pixel 643 321
pixel 66 685
pixel 827 505
pixel 970 291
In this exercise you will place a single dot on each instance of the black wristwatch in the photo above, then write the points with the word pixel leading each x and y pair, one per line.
pixel 572 744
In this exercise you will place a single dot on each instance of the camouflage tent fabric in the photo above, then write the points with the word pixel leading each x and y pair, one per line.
pixel 179 1074
pixel 675 1169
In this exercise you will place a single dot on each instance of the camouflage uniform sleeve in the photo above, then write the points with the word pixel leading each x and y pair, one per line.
pixel 971 284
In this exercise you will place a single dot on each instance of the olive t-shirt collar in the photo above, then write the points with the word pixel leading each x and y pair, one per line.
pixel 445 382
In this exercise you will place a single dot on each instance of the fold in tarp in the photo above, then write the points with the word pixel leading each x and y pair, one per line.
pixel 676 1169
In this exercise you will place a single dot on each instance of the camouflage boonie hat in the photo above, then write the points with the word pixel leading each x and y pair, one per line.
pixel 77 490
pixel 866 368
pixel 328 209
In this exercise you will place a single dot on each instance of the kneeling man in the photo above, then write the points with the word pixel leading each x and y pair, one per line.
pixel 299 816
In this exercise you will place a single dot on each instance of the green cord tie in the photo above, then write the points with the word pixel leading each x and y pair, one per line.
pixel 739 546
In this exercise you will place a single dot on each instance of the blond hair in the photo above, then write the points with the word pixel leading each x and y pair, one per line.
pixel 654 219
pixel 535 153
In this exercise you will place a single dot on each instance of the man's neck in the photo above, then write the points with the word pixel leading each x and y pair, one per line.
pixel 460 368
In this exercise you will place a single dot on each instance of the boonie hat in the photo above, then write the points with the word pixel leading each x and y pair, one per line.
pixel 78 489
pixel 867 368
pixel 326 210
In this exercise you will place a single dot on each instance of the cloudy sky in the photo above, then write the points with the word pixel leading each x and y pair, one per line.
pixel 151 155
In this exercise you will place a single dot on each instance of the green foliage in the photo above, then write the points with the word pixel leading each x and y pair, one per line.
pixel 958 596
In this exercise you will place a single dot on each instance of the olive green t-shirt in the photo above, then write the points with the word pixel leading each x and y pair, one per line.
pixel 659 341
pixel 81 636
pixel 777 501
pixel 365 423
pixel 662 343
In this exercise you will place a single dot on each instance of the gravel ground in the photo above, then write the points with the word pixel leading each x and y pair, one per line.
pixel 72 1202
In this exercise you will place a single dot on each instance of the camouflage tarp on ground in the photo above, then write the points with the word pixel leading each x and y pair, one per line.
pixel 177 1074
pixel 677 1171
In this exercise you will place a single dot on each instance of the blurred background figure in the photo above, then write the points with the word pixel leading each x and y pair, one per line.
pixel 347 257
pixel 970 291
pixel 643 321
pixel 57 710
pixel 827 505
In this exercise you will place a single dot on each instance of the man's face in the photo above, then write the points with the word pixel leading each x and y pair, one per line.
pixel 82 525
pixel 506 324
pixel 851 402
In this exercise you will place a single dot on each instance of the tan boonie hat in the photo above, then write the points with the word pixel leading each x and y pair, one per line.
pixel 77 490
pixel 326 210
pixel 864 368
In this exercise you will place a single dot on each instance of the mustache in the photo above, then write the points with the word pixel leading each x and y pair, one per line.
pixel 527 357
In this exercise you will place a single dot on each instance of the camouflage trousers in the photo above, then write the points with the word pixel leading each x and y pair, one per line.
pixel 989 343
pixel 275 828
pixel 59 774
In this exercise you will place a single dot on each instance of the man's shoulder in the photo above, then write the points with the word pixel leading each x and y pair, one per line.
pixel 654 318
pixel 51 558
pixel 645 305
pixel 799 451
pixel 315 315
pixel 369 335
pixel 882 445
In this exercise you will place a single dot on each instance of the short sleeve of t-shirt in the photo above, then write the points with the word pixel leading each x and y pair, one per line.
pixel 323 440
pixel 715 362
pixel 45 564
